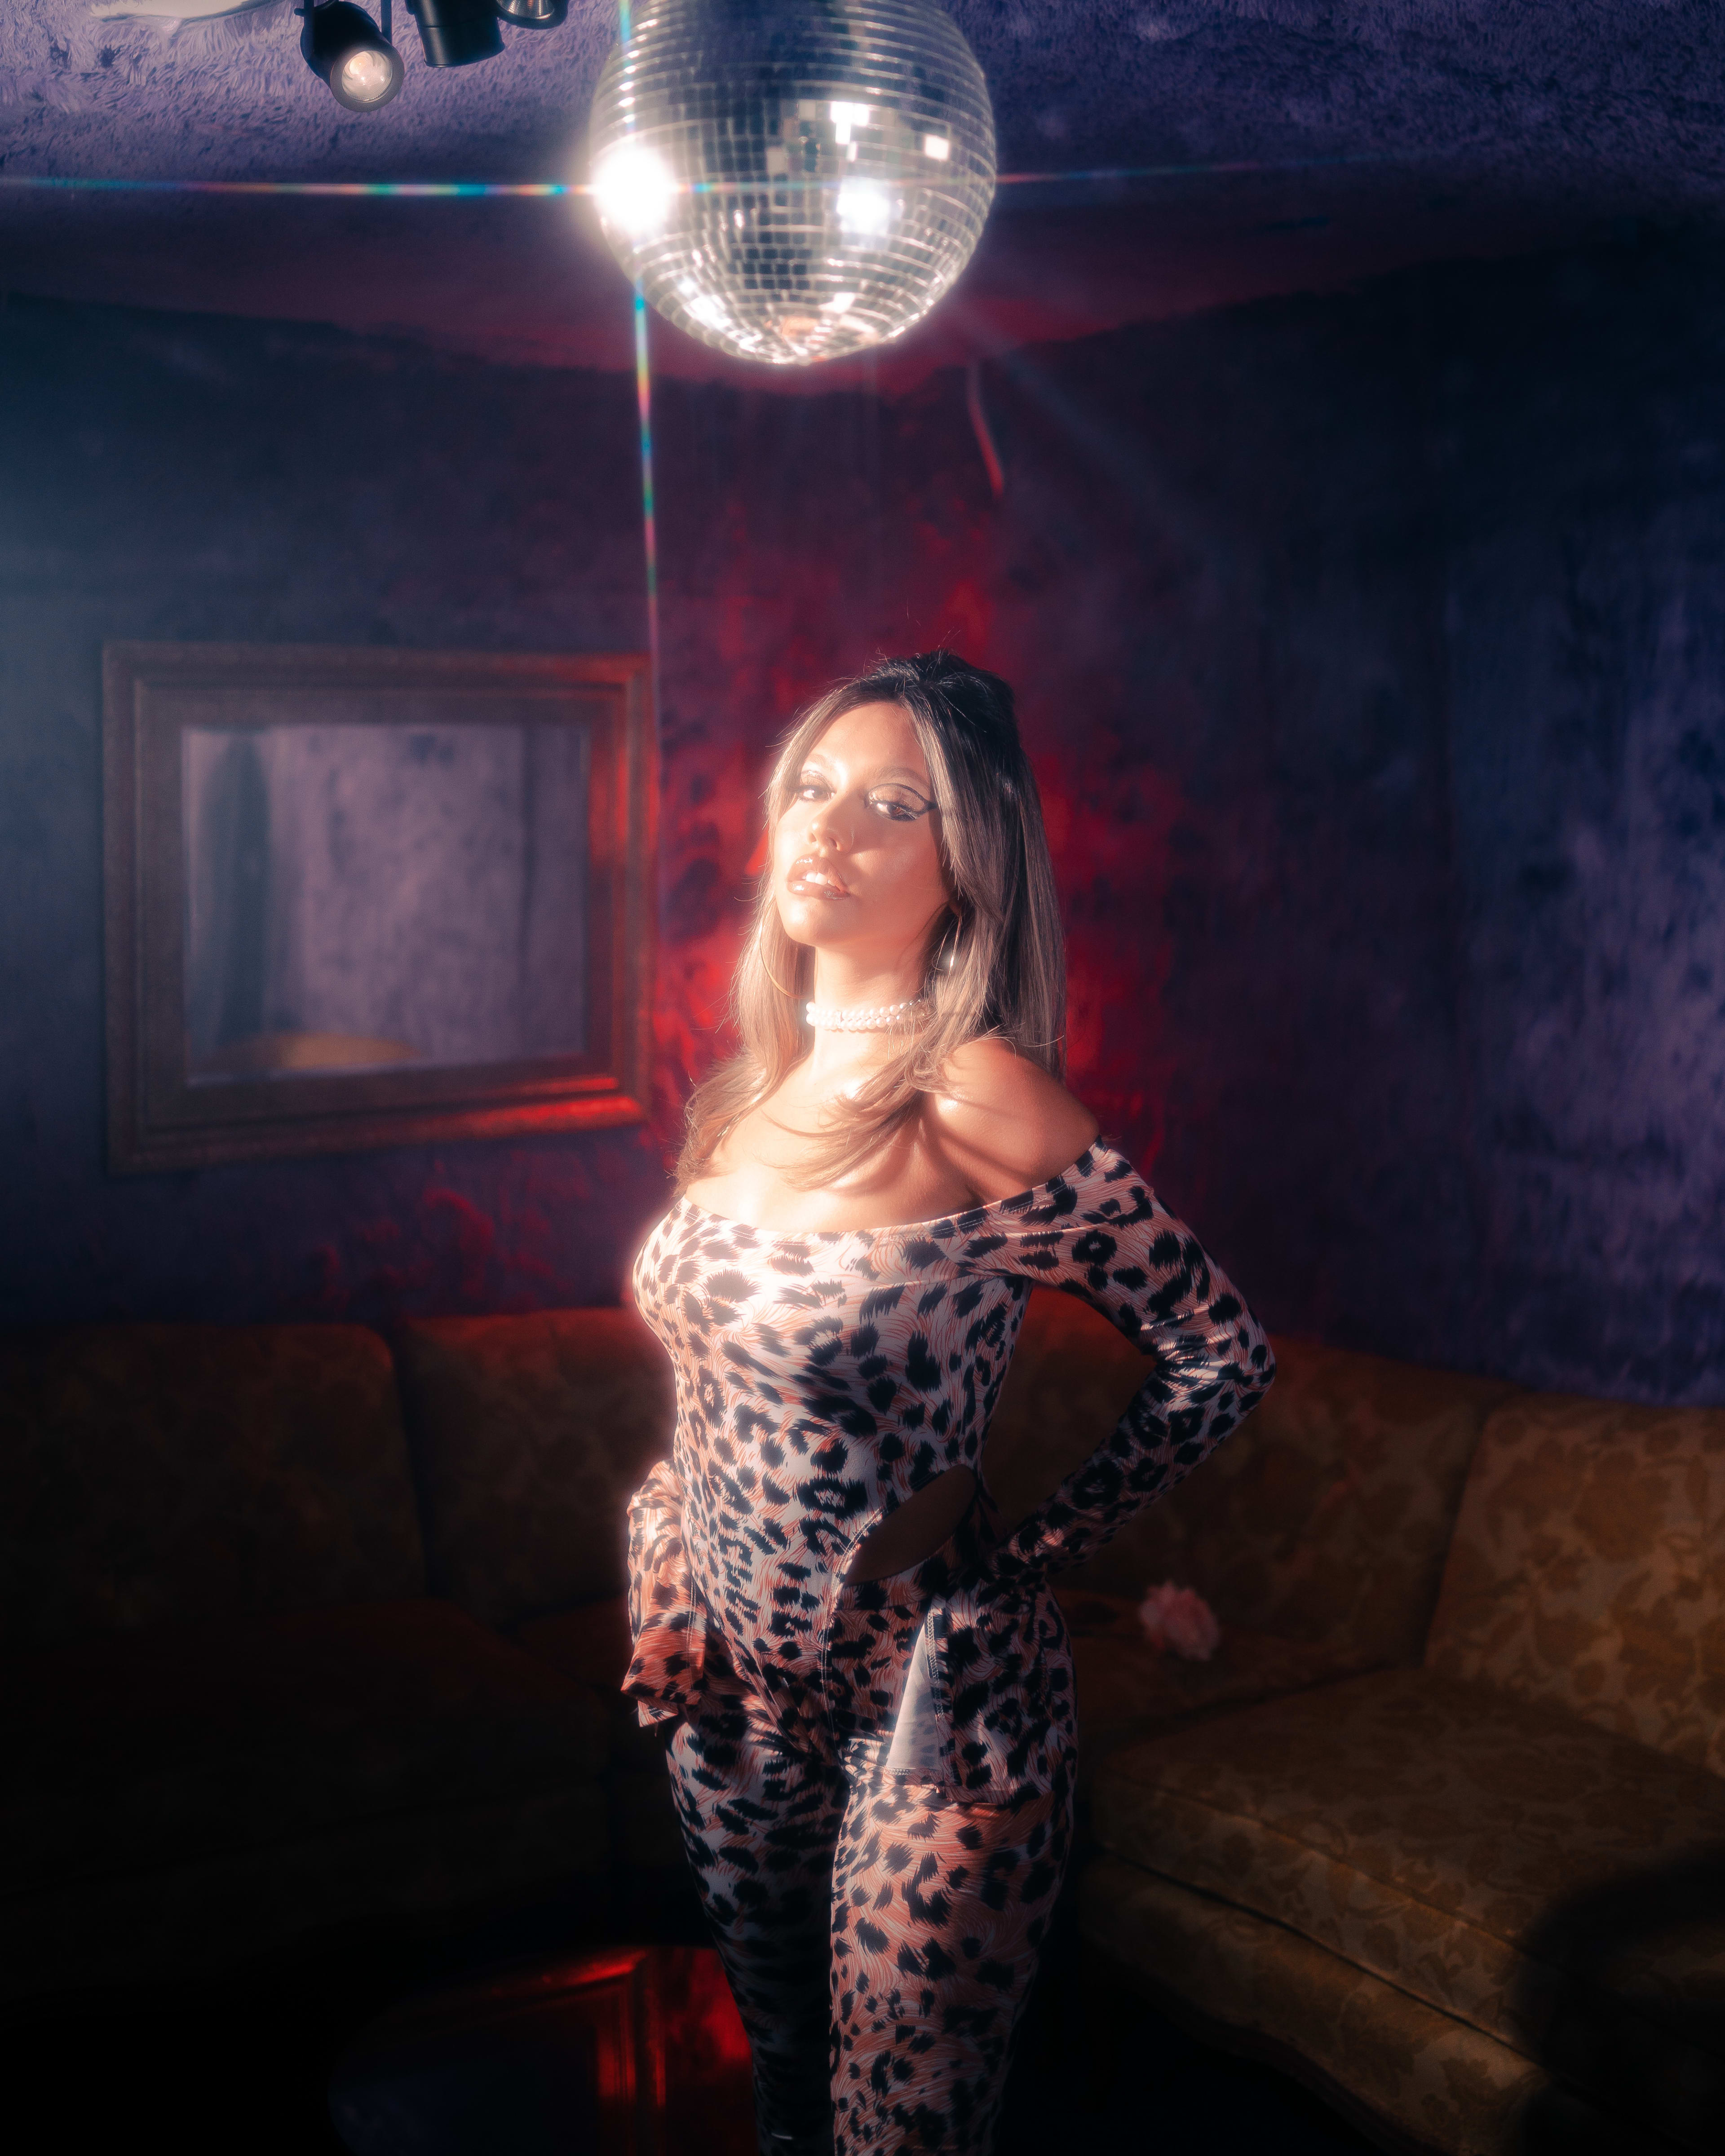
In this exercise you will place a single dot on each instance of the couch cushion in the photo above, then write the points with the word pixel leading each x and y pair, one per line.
pixel 1127 1688
pixel 1324 1520
pixel 154 1748
pixel 529 1435
pixel 1433 2080
pixel 1588 1568
pixel 591 1644
pixel 1420 1829
pixel 156 1474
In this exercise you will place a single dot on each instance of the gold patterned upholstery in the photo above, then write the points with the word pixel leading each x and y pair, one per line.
pixel 1127 1688
pixel 1417 1827
pixel 189 1795
pixel 1373 1876
pixel 591 1644
pixel 1588 1568
pixel 1325 1519
pixel 184 1474
pixel 1387 2058
pixel 233 1715
pixel 528 1433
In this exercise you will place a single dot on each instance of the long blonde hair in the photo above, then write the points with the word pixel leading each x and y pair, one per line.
pixel 996 959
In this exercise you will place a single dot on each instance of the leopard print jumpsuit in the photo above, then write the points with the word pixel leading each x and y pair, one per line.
pixel 875 1779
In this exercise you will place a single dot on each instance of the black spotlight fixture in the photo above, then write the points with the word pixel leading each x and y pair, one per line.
pixel 457 32
pixel 532 14
pixel 343 45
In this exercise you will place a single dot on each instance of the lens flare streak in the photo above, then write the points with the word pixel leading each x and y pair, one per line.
pixel 533 190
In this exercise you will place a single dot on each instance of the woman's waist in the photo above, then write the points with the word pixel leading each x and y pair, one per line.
pixel 877 1684
pixel 736 1559
pixel 789 1607
pixel 860 1516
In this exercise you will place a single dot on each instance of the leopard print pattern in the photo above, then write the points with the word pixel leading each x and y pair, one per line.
pixel 880 1936
pixel 822 1378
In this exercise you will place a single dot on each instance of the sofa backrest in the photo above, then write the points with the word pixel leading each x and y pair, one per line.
pixel 1325 1518
pixel 528 1435
pixel 191 1474
pixel 1588 1568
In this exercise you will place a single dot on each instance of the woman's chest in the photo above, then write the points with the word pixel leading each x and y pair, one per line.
pixel 835 1352
pixel 755 1175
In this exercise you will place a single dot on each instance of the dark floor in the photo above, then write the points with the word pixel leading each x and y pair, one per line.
pixel 244 2067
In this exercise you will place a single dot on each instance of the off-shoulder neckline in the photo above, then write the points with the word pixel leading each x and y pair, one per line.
pixel 1067 1179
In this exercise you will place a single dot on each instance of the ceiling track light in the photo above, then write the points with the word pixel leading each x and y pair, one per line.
pixel 357 58
pixel 344 46
pixel 457 32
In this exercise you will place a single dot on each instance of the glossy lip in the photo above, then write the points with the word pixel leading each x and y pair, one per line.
pixel 828 885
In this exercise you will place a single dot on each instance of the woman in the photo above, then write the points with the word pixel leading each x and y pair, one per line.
pixel 873 1759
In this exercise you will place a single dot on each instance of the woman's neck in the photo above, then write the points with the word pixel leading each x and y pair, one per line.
pixel 840 1059
pixel 842 983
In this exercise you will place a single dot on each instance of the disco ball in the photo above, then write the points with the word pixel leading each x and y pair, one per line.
pixel 792 180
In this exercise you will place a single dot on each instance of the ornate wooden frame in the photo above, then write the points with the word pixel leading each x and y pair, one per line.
pixel 157 1119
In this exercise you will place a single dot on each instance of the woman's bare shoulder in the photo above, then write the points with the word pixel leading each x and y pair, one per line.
pixel 1003 1123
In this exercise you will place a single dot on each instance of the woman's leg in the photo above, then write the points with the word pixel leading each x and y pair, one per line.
pixel 940 1907
pixel 759 1825
pixel 939 1912
pixel 922 1915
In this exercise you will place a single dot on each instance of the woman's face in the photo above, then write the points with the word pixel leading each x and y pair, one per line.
pixel 857 855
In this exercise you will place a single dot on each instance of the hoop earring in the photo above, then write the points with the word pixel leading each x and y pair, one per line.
pixel 793 994
pixel 946 955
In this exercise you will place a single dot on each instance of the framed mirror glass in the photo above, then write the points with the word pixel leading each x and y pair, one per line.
pixel 361 898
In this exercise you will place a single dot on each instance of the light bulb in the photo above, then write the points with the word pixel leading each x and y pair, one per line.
pixel 343 44
pixel 366 77
pixel 865 210
pixel 635 190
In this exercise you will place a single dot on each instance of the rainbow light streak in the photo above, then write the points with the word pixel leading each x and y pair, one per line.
pixel 530 190
pixel 402 190
pixel 644 404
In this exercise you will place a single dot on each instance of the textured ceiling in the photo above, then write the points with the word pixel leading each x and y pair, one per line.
pixel 1391 130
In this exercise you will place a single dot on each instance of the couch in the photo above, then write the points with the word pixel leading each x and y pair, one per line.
pixel 302 1628
pixel 257 1591
pixel 1442 1826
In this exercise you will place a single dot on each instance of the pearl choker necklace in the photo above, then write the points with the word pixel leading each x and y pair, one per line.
pixel 864 1018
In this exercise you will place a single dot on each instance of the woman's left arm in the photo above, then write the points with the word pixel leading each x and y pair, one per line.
pixel 1099 1232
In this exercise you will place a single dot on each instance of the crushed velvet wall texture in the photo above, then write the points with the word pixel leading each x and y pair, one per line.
pixel 1367 648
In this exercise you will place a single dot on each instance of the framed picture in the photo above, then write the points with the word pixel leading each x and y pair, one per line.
pixel 362 898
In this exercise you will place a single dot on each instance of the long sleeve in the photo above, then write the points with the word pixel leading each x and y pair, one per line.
pixel 1100 1233
pixel 667 1670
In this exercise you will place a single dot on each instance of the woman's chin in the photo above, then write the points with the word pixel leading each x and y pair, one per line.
pixel 807 921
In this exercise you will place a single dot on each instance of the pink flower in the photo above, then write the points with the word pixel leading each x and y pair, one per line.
pixel 1180 1619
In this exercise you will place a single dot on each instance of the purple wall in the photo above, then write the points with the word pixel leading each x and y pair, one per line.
pixel 193 478
pixel 1365 648
pixel 1580 436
